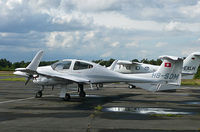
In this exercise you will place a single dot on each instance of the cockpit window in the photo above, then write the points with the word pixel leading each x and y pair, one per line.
pixel 82 65
pixel 61 65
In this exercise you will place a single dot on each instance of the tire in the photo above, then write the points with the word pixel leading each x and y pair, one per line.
pixel 38 94
pixel 67 97
pixel 101 85
pixel 82 94
pixel 131 86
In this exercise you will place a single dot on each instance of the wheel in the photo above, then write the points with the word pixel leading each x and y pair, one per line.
pixel 131 86
pixel 67 97
pixel 101 85
pixel 82 94
pixel 38 94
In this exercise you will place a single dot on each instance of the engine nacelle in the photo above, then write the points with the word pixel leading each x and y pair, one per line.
pixel 42 80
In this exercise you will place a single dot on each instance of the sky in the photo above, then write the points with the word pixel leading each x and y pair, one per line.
pixel 98 29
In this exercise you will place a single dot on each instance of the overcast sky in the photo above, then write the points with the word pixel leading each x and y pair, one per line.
pixel 98 29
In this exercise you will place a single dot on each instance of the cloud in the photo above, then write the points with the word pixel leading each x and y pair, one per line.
pixel 107 54
pixel 59 40
pixel 73 28
pixel 189 51
pixel 178 26
pixel 191 10
pixel 96 5
pixel 160 44
pixel 114 44
pixel 132 44
pixel 116 20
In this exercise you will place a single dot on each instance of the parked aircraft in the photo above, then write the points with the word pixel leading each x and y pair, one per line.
pixel 190 66
pixel 82 72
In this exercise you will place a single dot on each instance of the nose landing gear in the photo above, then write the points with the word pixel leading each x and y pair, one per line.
pixel 39 93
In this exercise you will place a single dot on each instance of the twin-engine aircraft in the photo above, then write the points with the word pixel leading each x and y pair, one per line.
pixel 82 72
pixel 189 69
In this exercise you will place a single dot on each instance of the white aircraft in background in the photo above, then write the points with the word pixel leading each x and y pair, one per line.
pixel 190 67
pixel 82 72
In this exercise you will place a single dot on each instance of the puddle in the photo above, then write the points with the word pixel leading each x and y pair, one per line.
pixel 88 95
pixel 92 95
pixel 146 110
pixel 192 103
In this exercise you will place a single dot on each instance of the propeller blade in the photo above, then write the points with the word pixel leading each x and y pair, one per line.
pixel 28 79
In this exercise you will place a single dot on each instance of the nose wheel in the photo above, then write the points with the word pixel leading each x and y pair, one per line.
pixel 38 94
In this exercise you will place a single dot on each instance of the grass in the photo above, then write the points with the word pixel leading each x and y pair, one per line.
pixel 190 82
pixel 13 79
pixel 166 115
pixel 98 108
pixel 6 73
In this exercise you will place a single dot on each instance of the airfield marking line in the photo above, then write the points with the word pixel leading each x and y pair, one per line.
pixel 17 100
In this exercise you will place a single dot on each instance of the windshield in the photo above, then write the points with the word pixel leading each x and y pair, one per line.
pixel 82 65
pixel 61 65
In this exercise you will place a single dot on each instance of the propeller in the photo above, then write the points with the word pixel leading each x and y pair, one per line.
pixel 31 77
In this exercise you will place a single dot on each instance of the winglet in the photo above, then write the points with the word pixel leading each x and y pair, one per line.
pixel 36 61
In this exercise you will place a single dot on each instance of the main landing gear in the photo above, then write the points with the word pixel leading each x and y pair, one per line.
pixel 39 93
pixel 81 91
pixel 66 96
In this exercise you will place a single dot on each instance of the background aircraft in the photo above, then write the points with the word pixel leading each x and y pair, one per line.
pixel 190 66
pixel 83 72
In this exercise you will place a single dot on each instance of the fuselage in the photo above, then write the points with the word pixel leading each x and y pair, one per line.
pixel 92 72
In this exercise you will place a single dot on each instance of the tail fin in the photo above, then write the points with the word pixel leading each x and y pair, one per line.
pixel 170 70
pixel 190 65
pixel 168 75
pixel 113 65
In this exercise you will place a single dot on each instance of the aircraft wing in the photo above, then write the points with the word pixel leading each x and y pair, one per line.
pixel 62 76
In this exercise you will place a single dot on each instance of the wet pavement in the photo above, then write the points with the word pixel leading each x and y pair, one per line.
pixel 114 108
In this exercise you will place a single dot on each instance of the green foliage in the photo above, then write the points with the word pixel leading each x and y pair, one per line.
pixel 135 60
pixel 98 108
pixel 13 79
pixel 104 63
pixel 166 115
pixel 197 75
pixel 190 82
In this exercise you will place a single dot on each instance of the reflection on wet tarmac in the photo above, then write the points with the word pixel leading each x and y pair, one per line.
pixel 88 95
pixel 192 103
pixel 146 110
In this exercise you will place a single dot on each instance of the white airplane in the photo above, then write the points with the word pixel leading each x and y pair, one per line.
pixel 190 67
pixel 82 72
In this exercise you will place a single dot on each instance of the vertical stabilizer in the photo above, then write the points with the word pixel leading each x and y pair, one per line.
pixel 190 65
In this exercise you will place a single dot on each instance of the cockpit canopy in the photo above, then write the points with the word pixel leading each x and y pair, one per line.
pixel 66 64
pixel 61 65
